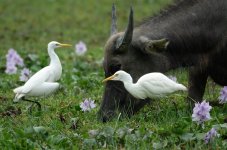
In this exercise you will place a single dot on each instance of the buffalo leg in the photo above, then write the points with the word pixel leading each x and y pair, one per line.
pixel 197 85
pixel 140 104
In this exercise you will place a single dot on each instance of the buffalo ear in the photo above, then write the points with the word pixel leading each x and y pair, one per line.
pixel 154 45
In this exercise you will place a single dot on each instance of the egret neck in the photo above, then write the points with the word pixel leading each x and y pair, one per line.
pixel 55 62
pixel 131 87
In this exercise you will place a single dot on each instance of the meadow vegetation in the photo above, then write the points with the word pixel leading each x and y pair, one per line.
pixel 28 26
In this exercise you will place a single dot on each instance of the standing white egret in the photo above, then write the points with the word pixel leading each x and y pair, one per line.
pixel 151 85
pixel 43 83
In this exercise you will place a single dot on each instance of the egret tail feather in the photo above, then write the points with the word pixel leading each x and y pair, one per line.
pixel 18 89
pixel 182 87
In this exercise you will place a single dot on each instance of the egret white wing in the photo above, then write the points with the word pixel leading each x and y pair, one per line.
pixel 38 78
pixel 151 76
pixel 44 89
pixel 156 84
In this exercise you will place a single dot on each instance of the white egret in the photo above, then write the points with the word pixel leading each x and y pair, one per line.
pixel 42 83
pixel 151 85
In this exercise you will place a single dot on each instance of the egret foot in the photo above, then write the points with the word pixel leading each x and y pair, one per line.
pixel 37 103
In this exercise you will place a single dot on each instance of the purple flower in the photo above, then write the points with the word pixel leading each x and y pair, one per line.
pixel 25 74
pixel 201 112
pixel 13 59
pixel 10 68
pixel 173 78
pixel 11 54
pixel 210 135
pixel 80 48
pixel 223 95
pixel 87 105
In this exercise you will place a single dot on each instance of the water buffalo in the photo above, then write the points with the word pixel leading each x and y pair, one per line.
pixel 190 33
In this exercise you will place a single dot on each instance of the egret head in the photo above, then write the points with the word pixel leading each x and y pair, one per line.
pixel 54 44
pixel 120 76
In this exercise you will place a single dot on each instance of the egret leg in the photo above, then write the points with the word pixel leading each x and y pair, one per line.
pixel 37 103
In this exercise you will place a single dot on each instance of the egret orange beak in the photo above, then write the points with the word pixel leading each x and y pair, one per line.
pixel 65 45
pixel 109 78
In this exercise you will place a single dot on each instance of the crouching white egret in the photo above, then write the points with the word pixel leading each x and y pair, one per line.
pixel 151 85
pixel 43 83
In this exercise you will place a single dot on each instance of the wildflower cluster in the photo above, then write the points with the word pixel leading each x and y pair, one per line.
pixel 223 95
pixel 201 112
pixel 87 105
pixel 210 135
pixel 12 60
pixel 25 74
pixel 80 48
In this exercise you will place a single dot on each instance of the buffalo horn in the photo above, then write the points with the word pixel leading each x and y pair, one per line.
pixel 114 21
pixel 127 37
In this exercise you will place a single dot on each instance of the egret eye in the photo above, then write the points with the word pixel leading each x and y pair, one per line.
pixel 56 44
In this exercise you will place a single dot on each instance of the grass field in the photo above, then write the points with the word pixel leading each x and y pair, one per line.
pixel 27 26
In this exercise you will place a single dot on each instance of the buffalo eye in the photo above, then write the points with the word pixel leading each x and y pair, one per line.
pixel 114 68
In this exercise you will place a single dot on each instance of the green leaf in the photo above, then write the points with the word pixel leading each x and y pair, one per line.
pixel 93 133
pixel 187 136
pixel 200 136
pixel 121 132
pixel 160 145
pixel 39 129
pixel 74 119
pixel 218 126
pixel 89 142
pixel 107 132
pixel 60 140
pixel 223 125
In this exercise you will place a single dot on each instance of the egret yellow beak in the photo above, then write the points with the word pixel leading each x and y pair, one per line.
pixel 109 78
pixel 65 45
